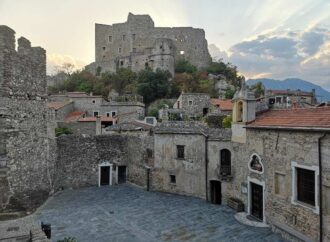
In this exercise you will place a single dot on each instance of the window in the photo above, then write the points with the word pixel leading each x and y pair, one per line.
pixel 225 162
pixel 119 50
pixel 110 38
pixel 93 101
pixel 173 179
pixel 150 120
pixel 278 99
pixel 108 114
pixel 103 47
pixel 133 36
pixel 180 151
pixel 149 153
pixel 96 113
pixel 306 186
pixel 113 113
pixel 181 52
pixel 190 102
pixel 124 37
pixel 134 50
pixel 121 63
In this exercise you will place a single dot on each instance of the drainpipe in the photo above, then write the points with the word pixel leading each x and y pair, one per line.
pixel 320 185
pixel 206 168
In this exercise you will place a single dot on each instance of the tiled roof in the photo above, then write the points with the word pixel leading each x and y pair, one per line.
pixel 73 116
pixel 225 104
pixel 294 118
pixel 56 105
pixel 93 119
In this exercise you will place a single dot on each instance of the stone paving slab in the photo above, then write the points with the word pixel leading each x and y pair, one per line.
pixel 127 213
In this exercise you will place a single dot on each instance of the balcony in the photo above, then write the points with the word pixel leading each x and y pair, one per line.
pixel 225 173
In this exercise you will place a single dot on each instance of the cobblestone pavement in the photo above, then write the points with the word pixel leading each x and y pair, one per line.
pixel 126 213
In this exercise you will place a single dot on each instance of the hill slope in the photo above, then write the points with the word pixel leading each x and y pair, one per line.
pixel 293 84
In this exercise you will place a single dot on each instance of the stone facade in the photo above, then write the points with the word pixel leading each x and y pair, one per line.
pixel 25 168
pixel 138 44
pixel 193 105
pixel 78 158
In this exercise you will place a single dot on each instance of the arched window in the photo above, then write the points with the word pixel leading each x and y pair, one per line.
pixel 225 162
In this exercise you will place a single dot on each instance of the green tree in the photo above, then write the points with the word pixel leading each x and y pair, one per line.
pixel 153 85
pixel 182 65
pixel 226 122
pixel 258 89
pixel 229 93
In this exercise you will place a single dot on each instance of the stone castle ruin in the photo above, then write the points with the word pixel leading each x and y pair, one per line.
pixel 138 44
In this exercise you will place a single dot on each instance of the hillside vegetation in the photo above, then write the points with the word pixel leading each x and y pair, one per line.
pixel 151 85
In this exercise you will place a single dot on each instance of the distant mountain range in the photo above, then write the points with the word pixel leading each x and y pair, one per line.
pixel 293 84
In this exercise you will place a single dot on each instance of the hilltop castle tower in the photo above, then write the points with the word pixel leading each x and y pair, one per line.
pixel 138 44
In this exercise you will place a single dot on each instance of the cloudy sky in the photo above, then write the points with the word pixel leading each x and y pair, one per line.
pixel 264 38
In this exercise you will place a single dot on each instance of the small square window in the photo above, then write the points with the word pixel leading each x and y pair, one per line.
pixel 93 101
pixel 96 114
pixel 121 63
pixel 173 179
pixel 103 47
pixel 110 38
pixel 108 114
pixel 180 151
pixel 119 50
pixel 114 113
pixel 190 102
pixel 182 52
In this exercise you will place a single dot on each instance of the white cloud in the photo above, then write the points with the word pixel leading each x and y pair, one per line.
pixel 284 54
pixel 56 60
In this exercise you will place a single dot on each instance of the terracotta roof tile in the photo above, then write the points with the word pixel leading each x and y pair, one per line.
pixel 93 119
pixel 294 118
pixel 225 104
pixel 73 116
pixel 56 105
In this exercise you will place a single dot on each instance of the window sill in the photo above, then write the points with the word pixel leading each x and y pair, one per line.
pixel 315 209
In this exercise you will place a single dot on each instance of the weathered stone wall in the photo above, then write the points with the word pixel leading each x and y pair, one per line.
pixel 190 171
pixel 78 158
pixel 26 161
pixel 82 128
pixel 277 150
pixel 193 104
pixel 118 44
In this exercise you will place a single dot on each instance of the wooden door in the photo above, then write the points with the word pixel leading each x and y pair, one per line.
pixel 215 192
pixel 257 206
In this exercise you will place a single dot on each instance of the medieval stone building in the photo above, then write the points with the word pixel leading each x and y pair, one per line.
pixel 138 44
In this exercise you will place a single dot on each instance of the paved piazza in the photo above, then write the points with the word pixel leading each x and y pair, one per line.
pixel 126 213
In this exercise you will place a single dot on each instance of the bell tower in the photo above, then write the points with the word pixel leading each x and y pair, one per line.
pixel 244 112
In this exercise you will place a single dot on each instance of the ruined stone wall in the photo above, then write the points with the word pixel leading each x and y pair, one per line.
pixel 193 104
pixel 116 45
pixel 26 163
